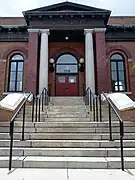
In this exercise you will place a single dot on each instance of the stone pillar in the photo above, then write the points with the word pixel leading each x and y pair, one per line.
pixel 32 60
pixel 89 60
pixel 101 63
pixel 43 70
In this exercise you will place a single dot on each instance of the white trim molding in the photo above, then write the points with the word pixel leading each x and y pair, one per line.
pixel 88 31
pixel 100 29
pixel 33 30
pixel 46 31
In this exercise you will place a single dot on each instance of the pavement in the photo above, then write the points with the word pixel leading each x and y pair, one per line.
pixel 66 174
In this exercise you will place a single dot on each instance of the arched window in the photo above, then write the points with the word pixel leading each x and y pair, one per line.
pixel 16 68
pixel 118 78
pixel 67 64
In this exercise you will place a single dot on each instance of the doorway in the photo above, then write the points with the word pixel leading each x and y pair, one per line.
pixel 67 75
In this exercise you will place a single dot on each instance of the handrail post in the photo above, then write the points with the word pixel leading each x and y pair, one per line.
pixel 23 122
pixel 110 121
pixel 39 110
pixel 33 103
pixel 36 109
pixel 43 100
pixel 121 144
pixel 11 143
pixel 48 98
pixel 45 97
pixel 90 101
pixel 93 109
pixel 100 108
pixel 88 98
pixel 96 108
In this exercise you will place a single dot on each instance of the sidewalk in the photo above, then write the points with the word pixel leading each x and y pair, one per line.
pixel 66 174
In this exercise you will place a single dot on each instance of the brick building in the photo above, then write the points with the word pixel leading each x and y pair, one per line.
pixel 67 48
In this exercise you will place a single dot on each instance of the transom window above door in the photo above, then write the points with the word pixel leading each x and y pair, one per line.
pixel 67 63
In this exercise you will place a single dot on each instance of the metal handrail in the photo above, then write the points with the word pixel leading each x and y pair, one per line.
pixel 110 105
pixel 18 110
pixel 11 133
pixel 86 100
pixel 94 103
pixel 41 100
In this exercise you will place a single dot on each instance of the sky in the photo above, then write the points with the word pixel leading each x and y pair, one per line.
pixel 118 7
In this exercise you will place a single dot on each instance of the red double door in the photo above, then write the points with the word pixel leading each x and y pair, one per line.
pixel 67 85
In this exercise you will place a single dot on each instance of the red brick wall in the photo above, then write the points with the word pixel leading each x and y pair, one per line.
pixel 128 51
pixel 121 20
pixel 12 21
pixel 101 64
pixel 32 62
pixel 56 49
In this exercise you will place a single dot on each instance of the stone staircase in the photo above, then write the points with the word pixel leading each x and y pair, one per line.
pixel 67 137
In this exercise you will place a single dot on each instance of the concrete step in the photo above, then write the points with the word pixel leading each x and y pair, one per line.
pixel 67 115
pixel 66 112
pixel 68 162
pixel 66 152
pixel 75 119
pixel 79 152
pixel 66 136
pixel 78 162
pixel 68 124
pixel 59 108
pixel 55 111
pixel 66 101
pixel 43 116
pixel 68 143
pixel 60 112
pixel 71 107
pixel 57 119
pixel 69 129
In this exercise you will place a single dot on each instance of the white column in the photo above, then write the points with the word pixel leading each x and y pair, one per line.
pixel 89 60
pixel 43 70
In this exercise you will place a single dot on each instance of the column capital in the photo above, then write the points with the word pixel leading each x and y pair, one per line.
pixel 46 31
pixel 100 29
pixel 34 30
pixel 88 31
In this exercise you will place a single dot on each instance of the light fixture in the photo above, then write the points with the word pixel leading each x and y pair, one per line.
pixel 51 65
pixel 81 64
pixel 81 60
pixel 66 37
pixel 51 61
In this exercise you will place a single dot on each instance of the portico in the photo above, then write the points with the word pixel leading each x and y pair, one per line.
pixel 64 39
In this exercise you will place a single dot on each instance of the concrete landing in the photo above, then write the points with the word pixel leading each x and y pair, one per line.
pixel 66 174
